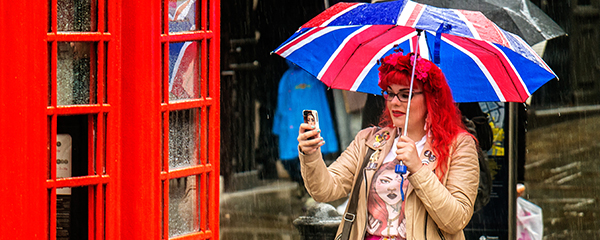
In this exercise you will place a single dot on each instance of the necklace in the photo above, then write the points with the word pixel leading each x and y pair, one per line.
pixel 389 226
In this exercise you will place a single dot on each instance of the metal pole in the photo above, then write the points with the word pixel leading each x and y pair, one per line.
pixel 512 170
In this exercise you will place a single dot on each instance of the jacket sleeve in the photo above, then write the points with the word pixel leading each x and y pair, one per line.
pixel 451 206
pixel 326 184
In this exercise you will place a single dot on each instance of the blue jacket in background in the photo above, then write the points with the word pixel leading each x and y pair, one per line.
pixel 299 90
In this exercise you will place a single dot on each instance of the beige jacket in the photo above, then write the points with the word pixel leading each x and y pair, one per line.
pixel 448 205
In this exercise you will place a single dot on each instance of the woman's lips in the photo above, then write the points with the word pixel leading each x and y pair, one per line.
pixel 392 195
pixel 397 113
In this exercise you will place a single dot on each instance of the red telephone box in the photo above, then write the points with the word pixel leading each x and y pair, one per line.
pixel 110 119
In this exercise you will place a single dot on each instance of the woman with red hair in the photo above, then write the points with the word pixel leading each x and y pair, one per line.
pixel 434 198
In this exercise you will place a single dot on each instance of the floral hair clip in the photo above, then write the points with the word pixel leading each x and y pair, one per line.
pixel 404 63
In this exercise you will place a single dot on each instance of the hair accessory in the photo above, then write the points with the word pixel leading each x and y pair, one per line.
pixel 404 63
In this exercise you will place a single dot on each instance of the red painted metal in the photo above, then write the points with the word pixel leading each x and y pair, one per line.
pixel 206 169
pixel 141 144
pixel 214 130
pixel 128 173
pixel 23 129
pixel 102 179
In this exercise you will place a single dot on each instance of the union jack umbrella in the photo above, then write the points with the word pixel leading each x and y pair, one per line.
pixel 481 62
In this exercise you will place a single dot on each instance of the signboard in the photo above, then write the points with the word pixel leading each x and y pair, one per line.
pixel 64 148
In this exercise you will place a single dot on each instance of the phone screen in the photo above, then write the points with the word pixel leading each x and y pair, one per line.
pixel 312 118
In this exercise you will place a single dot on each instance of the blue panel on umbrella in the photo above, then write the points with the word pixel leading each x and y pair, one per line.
pixel 463 75
pixel 536 77
pixel 385 13
pixel 312 57
pixel 433 17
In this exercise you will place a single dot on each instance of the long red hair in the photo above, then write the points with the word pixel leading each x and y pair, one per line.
pixel 444 117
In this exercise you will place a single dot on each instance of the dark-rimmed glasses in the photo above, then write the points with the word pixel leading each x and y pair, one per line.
pixel 402 95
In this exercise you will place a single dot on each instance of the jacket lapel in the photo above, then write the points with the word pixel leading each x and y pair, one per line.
pixel 384 148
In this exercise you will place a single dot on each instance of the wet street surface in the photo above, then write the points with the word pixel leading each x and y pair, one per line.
pixel 264 212
pixel 562 175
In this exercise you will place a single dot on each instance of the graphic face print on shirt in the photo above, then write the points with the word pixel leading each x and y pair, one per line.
pixel 387 186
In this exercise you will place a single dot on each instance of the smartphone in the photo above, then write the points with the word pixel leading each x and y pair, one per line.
pixel 312 118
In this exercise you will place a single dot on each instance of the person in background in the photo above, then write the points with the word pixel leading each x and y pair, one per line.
pixel 295 89
pixel 440 186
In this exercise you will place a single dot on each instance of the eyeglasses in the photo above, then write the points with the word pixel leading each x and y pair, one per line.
pixel 402 95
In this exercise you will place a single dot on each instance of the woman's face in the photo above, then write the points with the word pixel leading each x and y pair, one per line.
pixel 387 186
pixel 397 108
pixel 311 120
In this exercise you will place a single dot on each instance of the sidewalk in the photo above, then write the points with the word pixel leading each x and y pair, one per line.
pixel 264 212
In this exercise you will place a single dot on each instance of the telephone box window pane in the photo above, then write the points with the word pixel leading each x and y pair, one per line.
pixel 75 15
pixel 184 70
pixel 183 138
pixel 183 199
pixel 72 213
pixel 182 15
pixel 73 161
pixel 74 73
pixel 64 156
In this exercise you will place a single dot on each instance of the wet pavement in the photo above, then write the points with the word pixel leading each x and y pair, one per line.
pixel 562 176
pixel 264 212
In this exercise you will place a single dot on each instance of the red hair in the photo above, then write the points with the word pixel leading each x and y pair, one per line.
pixel 444 117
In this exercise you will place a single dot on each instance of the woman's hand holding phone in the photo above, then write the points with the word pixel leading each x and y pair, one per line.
pixel 308 138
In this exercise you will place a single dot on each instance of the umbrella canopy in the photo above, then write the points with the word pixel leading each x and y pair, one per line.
pixel 481 62
pixel 520 17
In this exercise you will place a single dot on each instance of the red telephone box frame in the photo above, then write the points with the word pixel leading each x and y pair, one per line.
pixel 145 101
pixel 103 111
pixel 125 200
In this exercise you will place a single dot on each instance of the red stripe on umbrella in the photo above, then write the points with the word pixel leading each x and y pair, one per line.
pixel 412 19
pixel 486 29
pixel 297 40
pixel 501 71
pixel 366 56
pixel 330 13
pixel 338 59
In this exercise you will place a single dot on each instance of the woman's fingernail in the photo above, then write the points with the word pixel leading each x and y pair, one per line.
pixel 319 130
pixel 323 142
pixel 312 126
pixel 321 139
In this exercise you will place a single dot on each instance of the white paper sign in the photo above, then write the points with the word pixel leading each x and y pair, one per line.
pixel 64 145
